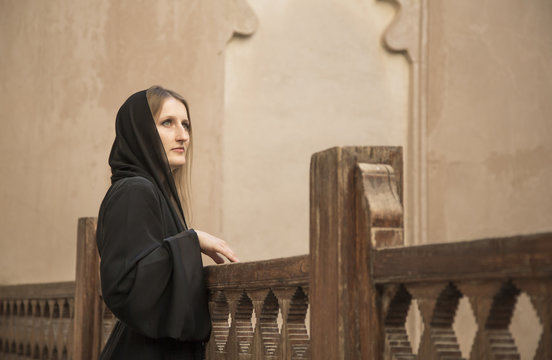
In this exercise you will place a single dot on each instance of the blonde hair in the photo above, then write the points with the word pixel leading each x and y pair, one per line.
pixel 157 95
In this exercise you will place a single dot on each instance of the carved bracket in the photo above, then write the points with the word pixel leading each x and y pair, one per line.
pixel 382 204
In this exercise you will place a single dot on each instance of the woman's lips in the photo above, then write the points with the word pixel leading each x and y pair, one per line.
pixel 179 149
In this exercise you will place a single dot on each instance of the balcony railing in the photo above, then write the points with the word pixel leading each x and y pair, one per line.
pixel 36 321
pixel 347 299
pixel 259 309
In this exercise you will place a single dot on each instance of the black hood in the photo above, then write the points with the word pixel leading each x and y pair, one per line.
pixel 138 150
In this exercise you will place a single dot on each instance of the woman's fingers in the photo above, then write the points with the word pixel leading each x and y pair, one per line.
pixel 214 247
pixel 216 257
pixel 229 254
pixel 225 250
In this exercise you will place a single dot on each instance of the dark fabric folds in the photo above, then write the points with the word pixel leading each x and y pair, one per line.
pixel 151 268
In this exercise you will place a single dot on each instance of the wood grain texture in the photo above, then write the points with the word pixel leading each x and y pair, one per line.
pixel 36 321
pixel 87 330
pixel 333 249
pixel 490 273
pixel 259 274
pixel 523 255
pixel 258 309
pixel 378 223
pixel 540 292
pixel 38 291
pixel 379 206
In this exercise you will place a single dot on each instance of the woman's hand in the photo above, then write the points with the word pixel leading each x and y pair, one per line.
pixel 214 247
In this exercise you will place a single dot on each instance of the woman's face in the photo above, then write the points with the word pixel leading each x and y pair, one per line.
pixel 173 126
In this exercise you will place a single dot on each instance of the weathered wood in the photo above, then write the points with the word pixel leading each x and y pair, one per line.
pixel 334 326
pixel 523 255
pixel 38 291
pixel 438 303
pixel 88 327
pixel 259 292
pixel 540 293
pixel 36 320
pixel 259 274
pixel 490 273
pixel 379 208
pixel 378 223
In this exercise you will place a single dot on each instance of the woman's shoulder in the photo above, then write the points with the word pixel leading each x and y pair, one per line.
pixel 134 183
pixel 131 188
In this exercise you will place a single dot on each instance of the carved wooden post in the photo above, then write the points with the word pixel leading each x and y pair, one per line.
pixel 335 265
pixel 87 326
pixel 379 223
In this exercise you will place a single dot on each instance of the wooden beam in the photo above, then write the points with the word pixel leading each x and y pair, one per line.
pixel 87 328
pixel 259 274
pixel 516 256
pixel 38 291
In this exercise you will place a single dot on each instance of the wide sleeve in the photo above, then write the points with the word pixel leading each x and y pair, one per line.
pixel 151 283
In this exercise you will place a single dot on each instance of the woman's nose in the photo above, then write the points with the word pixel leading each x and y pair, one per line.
pixel 182 133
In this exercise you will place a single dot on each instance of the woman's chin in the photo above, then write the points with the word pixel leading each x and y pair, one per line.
pixel 176 166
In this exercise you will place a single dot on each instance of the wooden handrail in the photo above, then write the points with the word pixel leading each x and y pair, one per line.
pixel 62 289
pixel 498 258
pixel 291 271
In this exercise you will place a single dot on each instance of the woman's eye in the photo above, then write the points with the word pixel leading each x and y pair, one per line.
pixel 166 123
pixel 186 125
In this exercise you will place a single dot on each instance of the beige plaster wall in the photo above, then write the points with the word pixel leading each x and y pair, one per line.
pixel 313 76
pixel 489 126
pixel 65 68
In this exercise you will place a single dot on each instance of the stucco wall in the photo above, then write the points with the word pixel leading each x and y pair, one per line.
pixel 489 118
pixel 65 68
pixel 313 76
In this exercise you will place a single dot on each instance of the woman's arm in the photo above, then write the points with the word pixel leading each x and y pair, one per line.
pixel 153 284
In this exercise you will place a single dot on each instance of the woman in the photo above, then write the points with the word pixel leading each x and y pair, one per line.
pixel 151 268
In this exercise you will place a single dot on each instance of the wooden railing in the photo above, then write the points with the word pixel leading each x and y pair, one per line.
pixel 36 321
pixel 259 310
pixel 353 291
pixel 491 274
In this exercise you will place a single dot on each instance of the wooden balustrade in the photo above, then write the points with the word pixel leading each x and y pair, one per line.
pixel 259 309
pixel 355 287
pixel 36 321
pixel 491 274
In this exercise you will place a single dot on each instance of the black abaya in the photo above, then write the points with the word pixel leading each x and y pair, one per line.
pixel 151 268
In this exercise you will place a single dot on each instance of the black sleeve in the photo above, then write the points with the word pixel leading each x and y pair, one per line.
pixel 151 283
